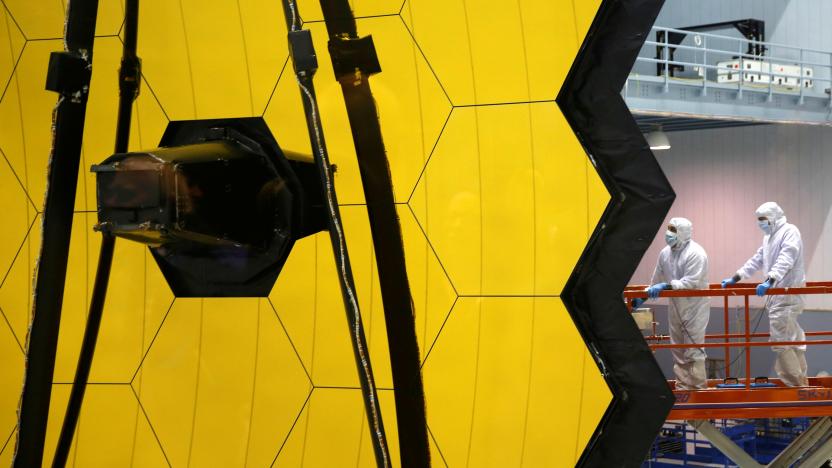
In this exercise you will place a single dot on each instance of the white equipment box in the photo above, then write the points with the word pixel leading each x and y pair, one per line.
pixel 643 318
pixel 758 71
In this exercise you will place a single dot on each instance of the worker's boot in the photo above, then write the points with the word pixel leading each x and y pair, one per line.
pixel 791 367
pixel 691 375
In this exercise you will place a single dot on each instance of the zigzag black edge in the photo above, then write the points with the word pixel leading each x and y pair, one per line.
pixel 641 196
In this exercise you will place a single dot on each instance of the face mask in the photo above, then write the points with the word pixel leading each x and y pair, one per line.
pixel 670 237
pixel 765 226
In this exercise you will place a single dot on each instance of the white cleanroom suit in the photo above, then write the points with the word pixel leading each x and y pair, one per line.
pixel 780 258
pixel 684 265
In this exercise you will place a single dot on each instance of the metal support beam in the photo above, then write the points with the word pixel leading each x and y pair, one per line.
pixel 820 456
pixel 818 431
pixel 816 441
pixel 69 75
pixel 724 444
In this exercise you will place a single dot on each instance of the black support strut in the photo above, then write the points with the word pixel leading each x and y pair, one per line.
pixel 129 79
pixel 305 65
pixel 69 75
pixel 354 60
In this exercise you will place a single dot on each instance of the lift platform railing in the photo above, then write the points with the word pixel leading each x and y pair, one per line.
pixel 706 57
pixel 744 290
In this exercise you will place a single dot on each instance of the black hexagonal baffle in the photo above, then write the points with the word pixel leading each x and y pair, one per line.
pixel 218 203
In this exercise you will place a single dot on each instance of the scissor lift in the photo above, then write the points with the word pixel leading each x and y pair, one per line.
pixel 679 443
pixel 751 398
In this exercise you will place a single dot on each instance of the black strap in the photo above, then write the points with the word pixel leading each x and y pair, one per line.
pixel 354 59
pixel 641 197
pixel 69 74
pixel 129 79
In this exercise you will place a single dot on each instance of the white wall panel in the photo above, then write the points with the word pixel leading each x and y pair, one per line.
pixel 721 176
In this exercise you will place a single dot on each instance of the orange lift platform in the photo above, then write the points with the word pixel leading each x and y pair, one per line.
pixel 749 397
pixel 752 398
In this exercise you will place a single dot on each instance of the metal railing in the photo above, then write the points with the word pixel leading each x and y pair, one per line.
pixel 745 290
pixel 706 58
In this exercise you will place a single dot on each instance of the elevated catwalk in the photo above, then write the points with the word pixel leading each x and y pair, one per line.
pixel 745 398
pixel 696 83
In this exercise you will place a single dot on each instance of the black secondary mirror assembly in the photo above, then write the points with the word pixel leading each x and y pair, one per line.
pixel 218 203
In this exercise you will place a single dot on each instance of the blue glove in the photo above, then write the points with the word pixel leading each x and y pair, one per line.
pixel 653 291
pixel 729 282
pixel 637 302
pixel 762 288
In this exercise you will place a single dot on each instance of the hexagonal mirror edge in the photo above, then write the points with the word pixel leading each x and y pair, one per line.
pixel 641 196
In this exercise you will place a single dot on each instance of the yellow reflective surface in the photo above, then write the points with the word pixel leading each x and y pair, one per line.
pixel 212 58
pixel 13 42
pixel 501 382
pixel 499 53
pixel 332 431
pixel 222 370
pixel 44 19
pixel 11 373
pixel 26 113
pixel 504 199
pixel 112 429
pixel 314 315
pixel 406 87
pixel 496 202
pixel 7 452
pixel 137 301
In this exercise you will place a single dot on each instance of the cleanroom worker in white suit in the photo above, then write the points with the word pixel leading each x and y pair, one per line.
pixel 683 264
pixel 780 258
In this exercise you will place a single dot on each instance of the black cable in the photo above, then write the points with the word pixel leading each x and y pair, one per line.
pixel 342 262
pixel 129 76
pixel 69 75
pixel 82 372
pixel 305 65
